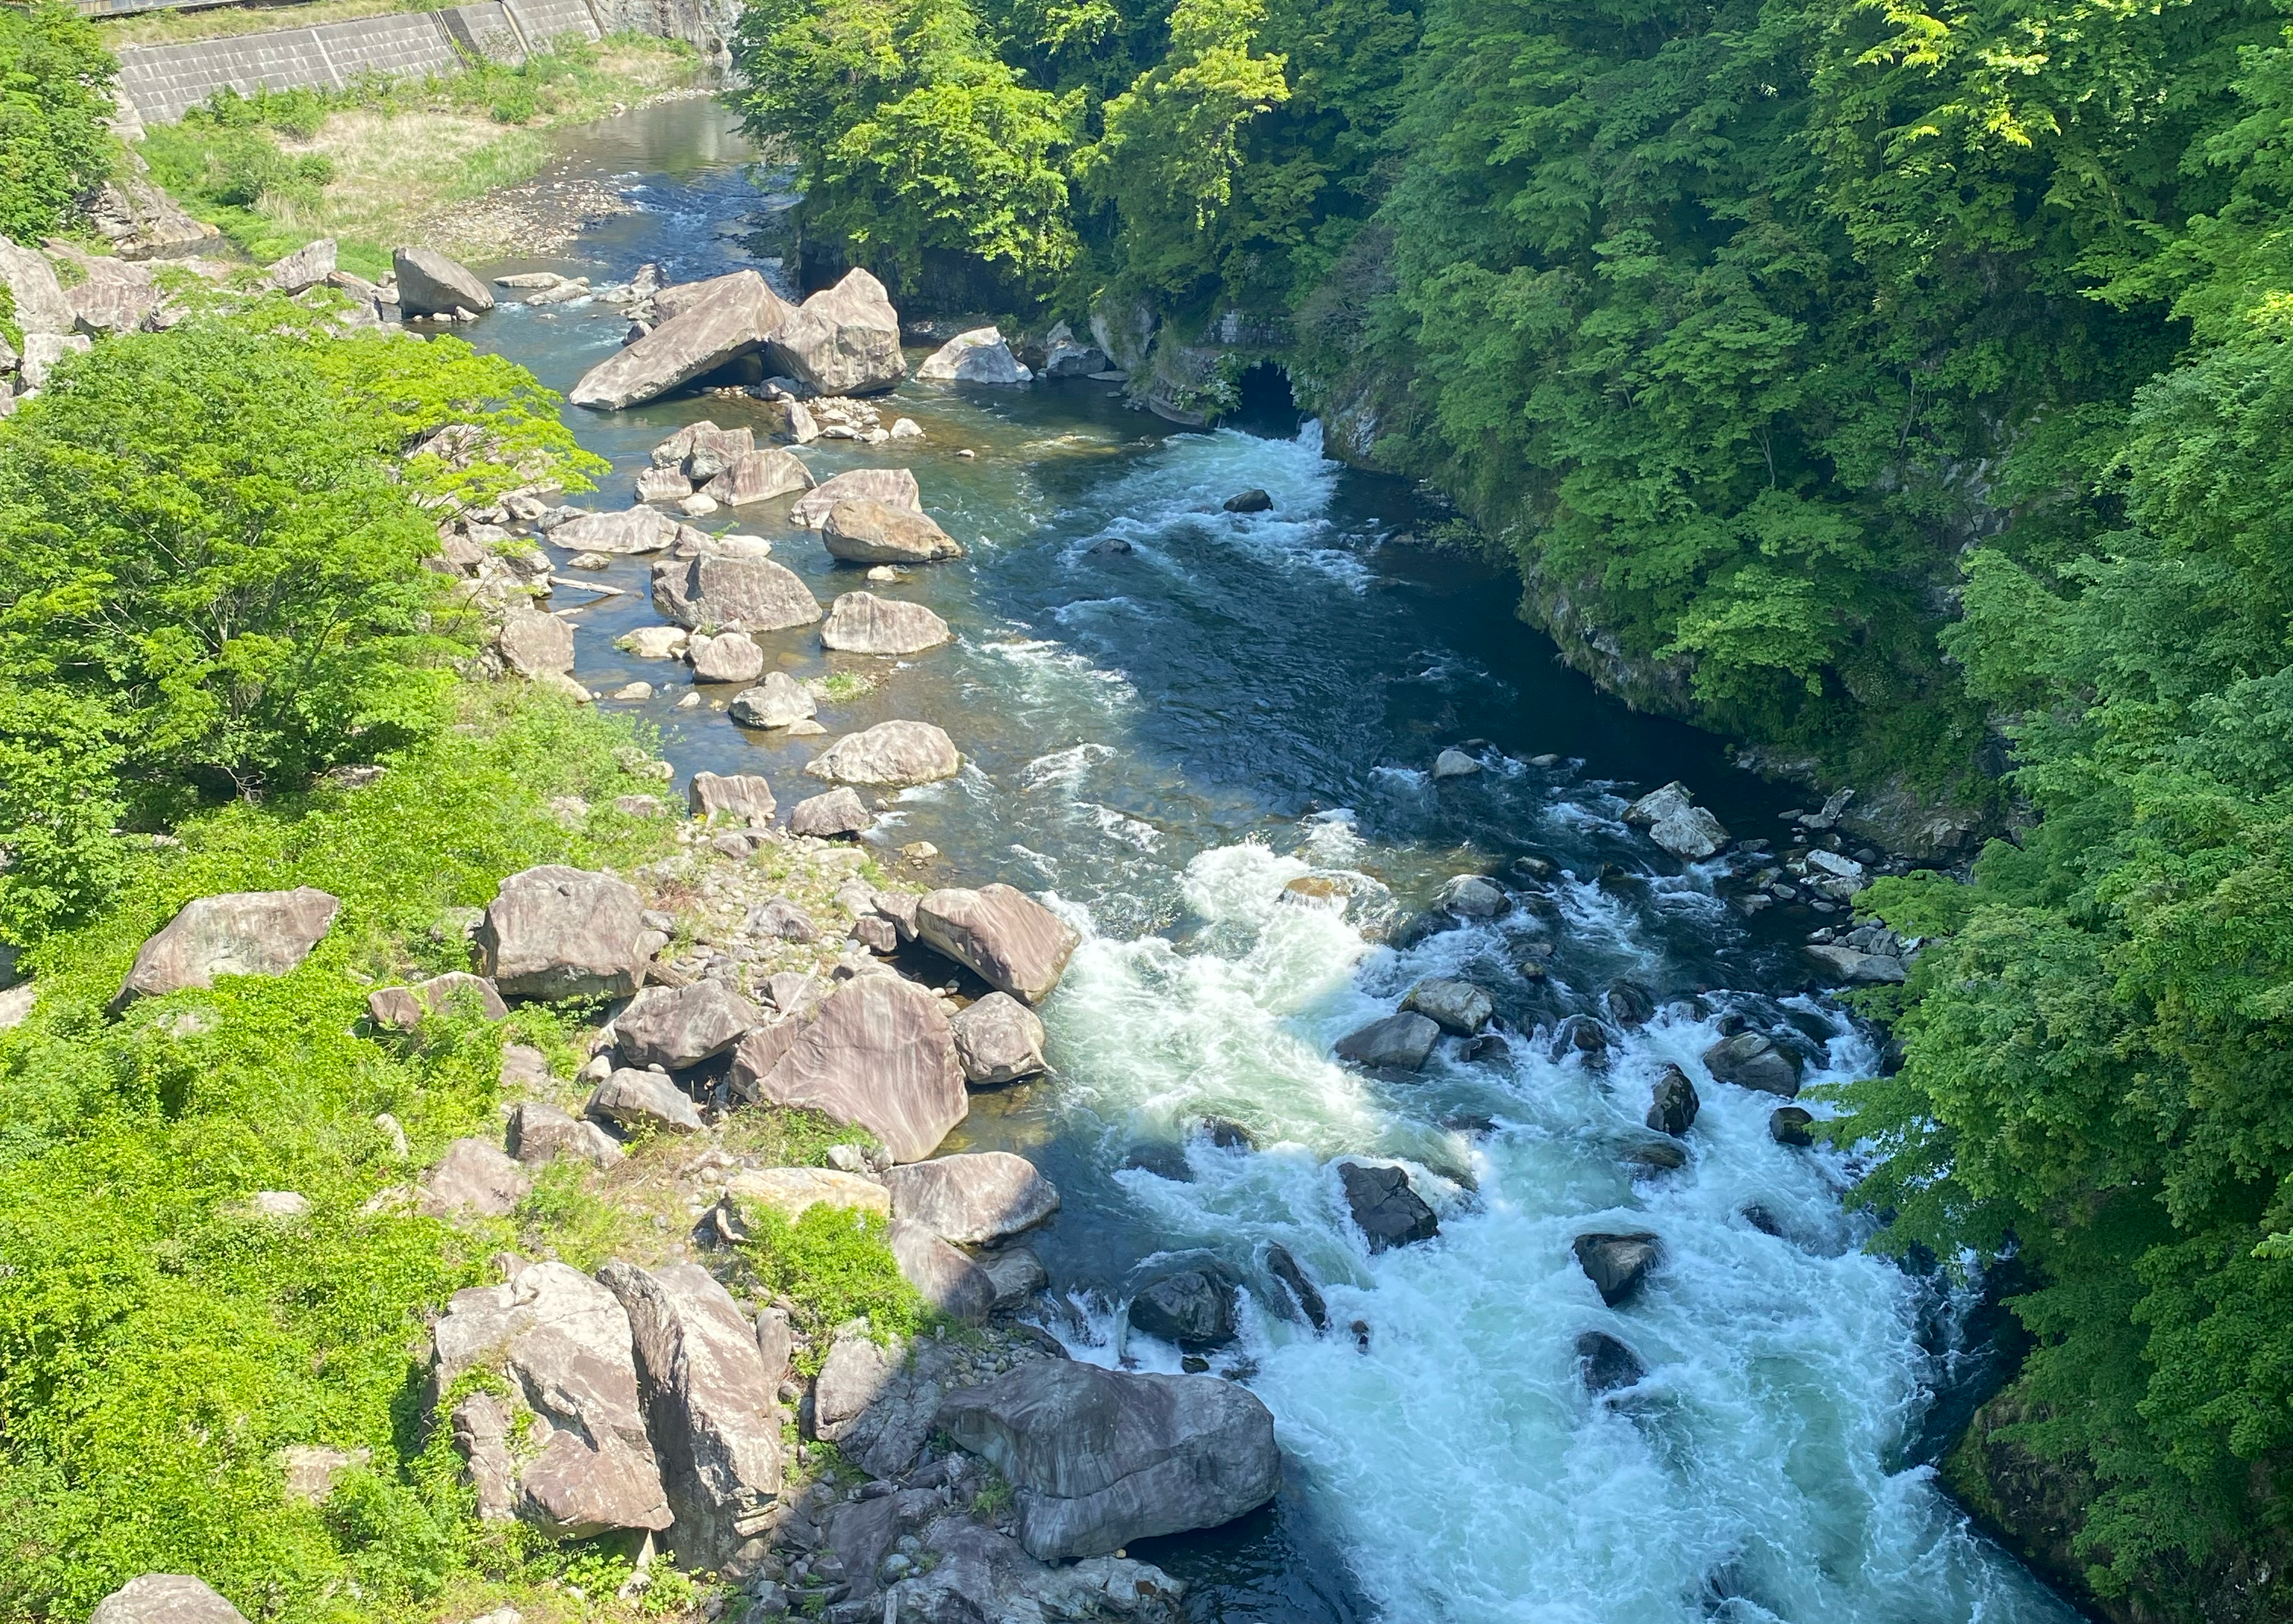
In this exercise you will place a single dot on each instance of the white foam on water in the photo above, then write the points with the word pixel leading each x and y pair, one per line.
pixel 1458 1462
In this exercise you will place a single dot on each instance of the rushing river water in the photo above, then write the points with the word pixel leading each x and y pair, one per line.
pixel 1159 740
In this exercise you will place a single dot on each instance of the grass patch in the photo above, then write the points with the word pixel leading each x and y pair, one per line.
pixel 836 1266
pixel 839 686
pixel 169 28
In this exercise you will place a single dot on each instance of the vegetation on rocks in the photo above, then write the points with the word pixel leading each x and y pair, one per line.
pixel 55 100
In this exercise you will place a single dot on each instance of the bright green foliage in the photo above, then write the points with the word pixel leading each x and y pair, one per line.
pixel 55 98
pixel 213 580
pixel 836 1266
pixel 158 1346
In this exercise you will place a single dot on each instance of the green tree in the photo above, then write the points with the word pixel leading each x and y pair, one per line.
pixel 55 98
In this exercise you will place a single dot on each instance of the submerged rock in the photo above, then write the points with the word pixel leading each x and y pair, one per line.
pixel 1673 1103
pixel 1194 1308
pixel 1615 1263
pixel 1285 1268
pixel 1606 1363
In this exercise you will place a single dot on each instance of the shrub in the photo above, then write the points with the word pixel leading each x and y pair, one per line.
pixel 55 98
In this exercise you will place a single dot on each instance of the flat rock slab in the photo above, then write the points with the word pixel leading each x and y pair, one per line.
pixel 716 593
pixel 861 623
pixel 1102 1458
pixel 239 933
pixel 165 1598
pixel 1011 941
pixel 977 1199
pixel 877 1054
pixel 625 534
pixel 890 755
pixel 892 487
pixel 790 1190
pixel 728 318
pixel 561 933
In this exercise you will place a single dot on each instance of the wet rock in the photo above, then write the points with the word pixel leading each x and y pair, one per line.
pixel 1112 546
pixel 878 1053
pixel 404 1008
pixel 892 487
pixel 637 1099
pixel 587 1466
pixel 1470 896
pixel 540 1133
pixel 1606 1364
pixel 890 755
pixel 714 593
pixel 999 1039
pixel 1101 1459
pixel 239 933
pixel 731 658
pixel 1631 1004
pixel 165 1598
pixel 1616 1265
pixel 1285 1268
pixel 977 1199
pixel 844 340
pixel 677 1027
pixel 1792 1125
pixel 429 284
pixel 1455 763
pixel 1673 1105
pixel 779 700
pixel 1227 1134
pixel 743 797
pixel 1581 1035
pixel 618 534
pixel 472 1179
pixel 840 812
pixel 710 1402
pixel 1388 1210
pixel 1252 501
pixel 1654 1156
pixel 559 933
pixel 1194 1308
pixel 861 623
pixel 1399 1042
pixel 1455 1006
pixel 1004 936
pixel 1016 1274
pixel 860 531
pixel 1163 1161
pixel 1676 823
pixel 1751 1060
pixel 725 318
pixel 1859 969
pixel 789 1191
pixel 980 356
pixel 757 476
pixel 945 1278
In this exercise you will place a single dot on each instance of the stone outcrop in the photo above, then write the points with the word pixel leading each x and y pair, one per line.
pixel 890 755
pixel 1676 823
pixel 717 593
pixel 861 623
pixel 541 1133
pixel 640 1099
pixel 824 817
pixel 779 700
pixel 875 1403
pixel 1104 1457
pixel 239 932
pixel 732 318
pixel 429 284
pixel 1004 936
pixel 165 1598
pixel 877 1054
pixel 946 1279
pixel 405 1008
pixel 306 268
pixel 978 357
pixel 1388 1210
pixel 535 644
pixel 1399 1042
pixel 757 476
pixel 560 932
pixel 863 530
pixel 715 1417
pixel 624 533
pixel 1191 1307
pixel 1616 1265
pixel 743 796
pixel 844 340
pixel 586 1464
pixel 892 487
pixel 976 1573
pixel 677 1027
pixel 41 305
pixel 472 1179
pixel 999 1039
pixel 1673 1103
pixel 977 1199
pixel 1455 1006
pixel 1751 1060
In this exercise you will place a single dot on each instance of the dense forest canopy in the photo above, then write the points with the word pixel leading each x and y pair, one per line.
pixel 1910 389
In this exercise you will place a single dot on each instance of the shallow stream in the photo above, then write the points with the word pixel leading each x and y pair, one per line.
pixel 1159 740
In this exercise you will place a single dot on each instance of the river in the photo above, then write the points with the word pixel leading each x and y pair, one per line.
pixel 1158 741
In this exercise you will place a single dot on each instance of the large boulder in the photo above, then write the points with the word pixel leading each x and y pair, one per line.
pixel 239 932
pixel 1751 1060
pixel 556 933
pixel 1616 1265
pixel 715 1415
pixel 305 269
pixel 944 1277
pixel 1676 823
pixel 586 1466
pixel 41 304
pixel 890 755
pixel 472 1179
pixel 1101 1459
pixel 757 476
pixel 877 1054
pixel 844 340
pixel 1857 968
pixel 824 817
pixel 712 592
pixel 541 1133
pixel 405 1008
pixel 1389 1212
pixel 429 284
pixel 1011 941
pixel 779 700
pixel 1399 1042
pixel 729 657
pixel 640 1099
pixel 875 1403
pixel 978 357
pixel 862 531
pixel 632 530
pixel 977 1199
pixel 1673 1103
pixel 861 623
pixel 1193 1307
pixel 892 487
pixel 745 796
pixel 1455 1006
pixel 535 644
pixel 677 1027
pixel 165 1598
pixel 731 318
pixel 999 1039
